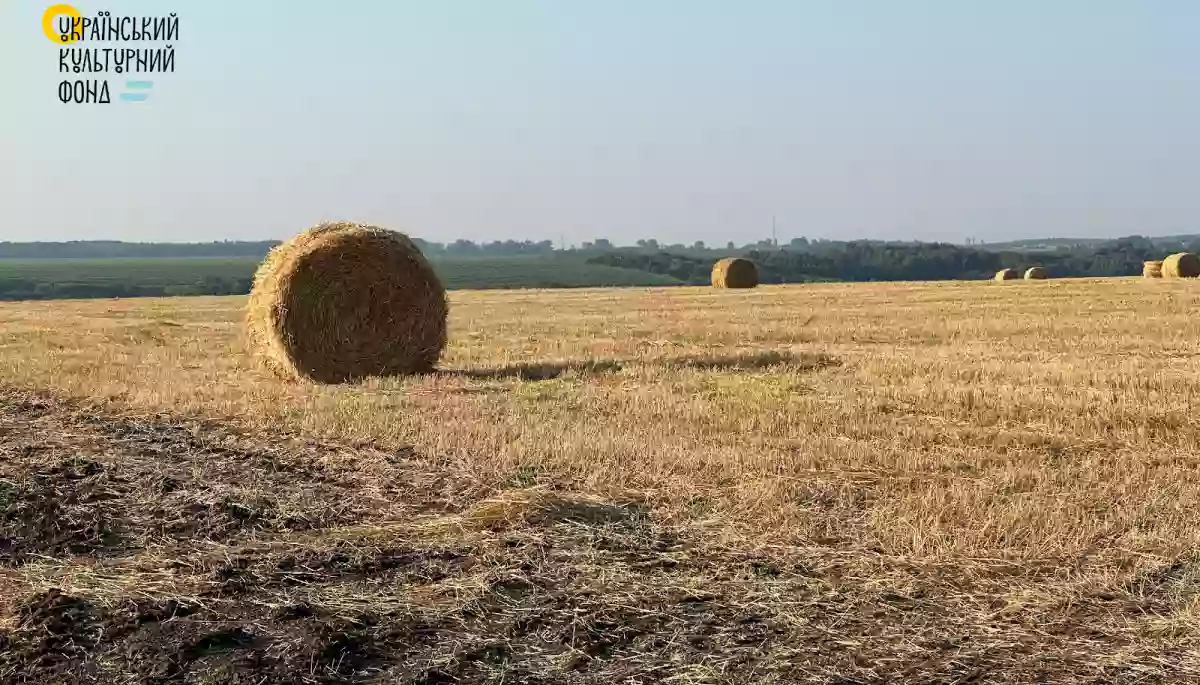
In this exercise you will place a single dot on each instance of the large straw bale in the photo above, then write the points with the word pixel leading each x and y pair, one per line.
pixel 1006 274
pixel 1035 273
pixel 1152 269
pixel 342 301
pixel 1181 265
pixel 734 272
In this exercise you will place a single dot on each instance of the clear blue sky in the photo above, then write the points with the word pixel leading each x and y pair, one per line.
pixel 679 120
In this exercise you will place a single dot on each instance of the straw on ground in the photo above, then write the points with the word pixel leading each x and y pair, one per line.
pixel 921 482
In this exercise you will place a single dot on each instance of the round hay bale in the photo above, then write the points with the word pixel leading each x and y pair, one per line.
pixel 1006 274
pixel 1181 265
pixel 1152 269
pixel 341 301
pixel 734 272
pixel 1035 273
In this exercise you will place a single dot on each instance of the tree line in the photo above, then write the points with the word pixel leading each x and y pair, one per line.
pixel 116 249
pixel 883 261
pixel 864 249
pixel 29 289
pixel 37 271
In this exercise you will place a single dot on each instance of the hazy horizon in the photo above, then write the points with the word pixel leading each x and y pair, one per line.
pixel 927 120
pixel 632 243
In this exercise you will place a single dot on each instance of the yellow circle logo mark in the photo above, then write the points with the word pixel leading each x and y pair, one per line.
pixel 52 12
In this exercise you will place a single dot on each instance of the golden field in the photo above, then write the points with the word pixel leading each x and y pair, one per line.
pixel 1017 461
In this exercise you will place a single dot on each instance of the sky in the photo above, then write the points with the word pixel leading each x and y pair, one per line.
pixel 623 119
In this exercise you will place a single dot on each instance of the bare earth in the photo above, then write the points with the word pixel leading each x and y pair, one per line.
pixel 925 483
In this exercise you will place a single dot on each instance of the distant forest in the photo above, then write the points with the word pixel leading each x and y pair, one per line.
pixel 37 270
pixel 804 261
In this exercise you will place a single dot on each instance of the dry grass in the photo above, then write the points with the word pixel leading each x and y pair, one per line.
pixel 933 462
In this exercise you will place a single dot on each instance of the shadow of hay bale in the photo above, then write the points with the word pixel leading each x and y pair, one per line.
pixel 752 361
pixel 537 371
pixel 748 361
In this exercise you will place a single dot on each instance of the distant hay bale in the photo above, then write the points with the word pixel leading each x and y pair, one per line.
pixel 734 272
pixel 1181 265
pixel 1035 273
pixel 1006 274
pixel 1152 269
pixel 341 301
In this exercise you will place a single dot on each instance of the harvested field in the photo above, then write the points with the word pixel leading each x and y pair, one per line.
pixel 933 483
